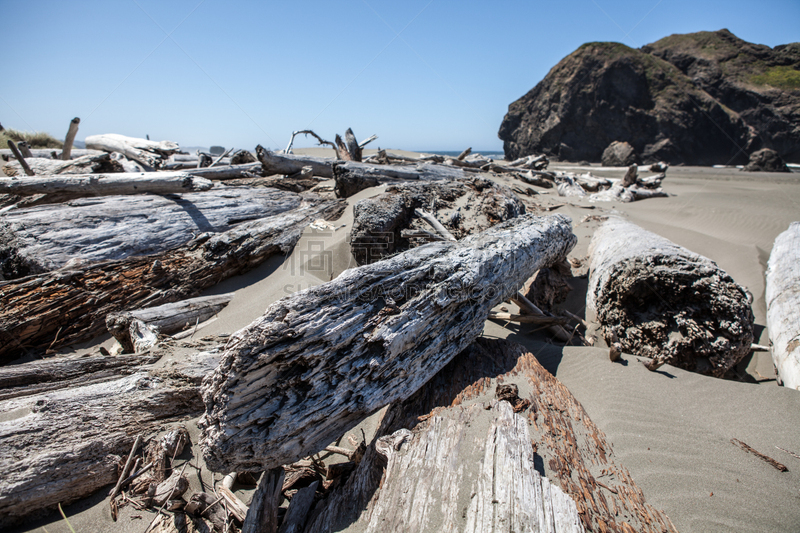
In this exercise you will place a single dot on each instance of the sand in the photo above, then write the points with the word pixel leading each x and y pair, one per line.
pixel 671 428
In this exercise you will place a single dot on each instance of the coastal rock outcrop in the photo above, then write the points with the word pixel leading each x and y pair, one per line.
pixel 701 98
pixel 766 160
pixel 619 154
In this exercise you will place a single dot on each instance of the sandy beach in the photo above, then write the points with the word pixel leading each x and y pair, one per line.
pixel 671 429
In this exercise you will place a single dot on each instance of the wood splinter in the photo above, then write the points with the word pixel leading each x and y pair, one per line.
pixel 775 464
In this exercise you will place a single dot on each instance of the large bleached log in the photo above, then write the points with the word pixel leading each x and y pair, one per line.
pixel 63 445
pixel 273 163
pixel 70 305
pixel 320 360
pixel 150 153
pixel 569 449
pixel 168 318
pixel 353 177
pixel 46 237
pixel 445 464
pixel 660 300
pixel 379 223
pixel 76 186
pixel 783 305
pixel 89 164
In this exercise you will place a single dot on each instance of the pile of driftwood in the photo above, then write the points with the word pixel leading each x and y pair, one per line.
pixel 628 189
pixel 439 249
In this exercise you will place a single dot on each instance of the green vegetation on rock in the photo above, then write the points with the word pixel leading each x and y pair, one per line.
pixel 781 77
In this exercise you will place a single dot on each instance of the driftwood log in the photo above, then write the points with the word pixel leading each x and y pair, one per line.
pixel 465 206
pixel 569 450
pixel 273 163
pixel 63 445
pixel 66 152
pixel 46 237
pixel 230 172
pixel 493 471
pixel 70 305
pixel 166 319
pixel 58 373
pixel 660 300
pixel 49 153
pixel 326 357
pixel 354 177
pixel 147 152
pixel 77 186
pixel 783 304
pixel 89 164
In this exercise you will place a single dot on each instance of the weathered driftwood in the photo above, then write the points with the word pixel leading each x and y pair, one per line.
pixel 58 373
pixel 229 172
pixel 70 138
pixel 49 153
pixel 297 513
pixel 262 516
pixel 166 319
pixel 465 205
pixel 566 185
pixel 662 301
pixel 438 464
pixel 20 158
pixel 349 149
pixel 618 193
pixel 77 186
pixel 273 163
pixel 46 237
pixel 569 450
pixel 89 164
pixel 540 179
pixel 150 153
pixel 71 305
pixel 25 149
pixel 354 177
pixel 783 303
pixel 325 357
pixel 64 445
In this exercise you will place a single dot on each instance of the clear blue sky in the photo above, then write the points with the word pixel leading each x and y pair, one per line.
pixel 422 74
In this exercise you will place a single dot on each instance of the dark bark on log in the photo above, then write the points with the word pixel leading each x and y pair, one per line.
pixel 663 301
pixel 379 222
pixel 273 163
pixel 70 138
pixel 354 177
pixel 45 238
pixel 783 302
pixel 328 356
pixel 71 305
pixel 262 516
pixel 87 185
pixel 297 513
pixel 25 149
pixel 166 319
pixel 65 445
pixel 569 446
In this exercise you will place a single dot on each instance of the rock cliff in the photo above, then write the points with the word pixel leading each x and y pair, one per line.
pixel 702 98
